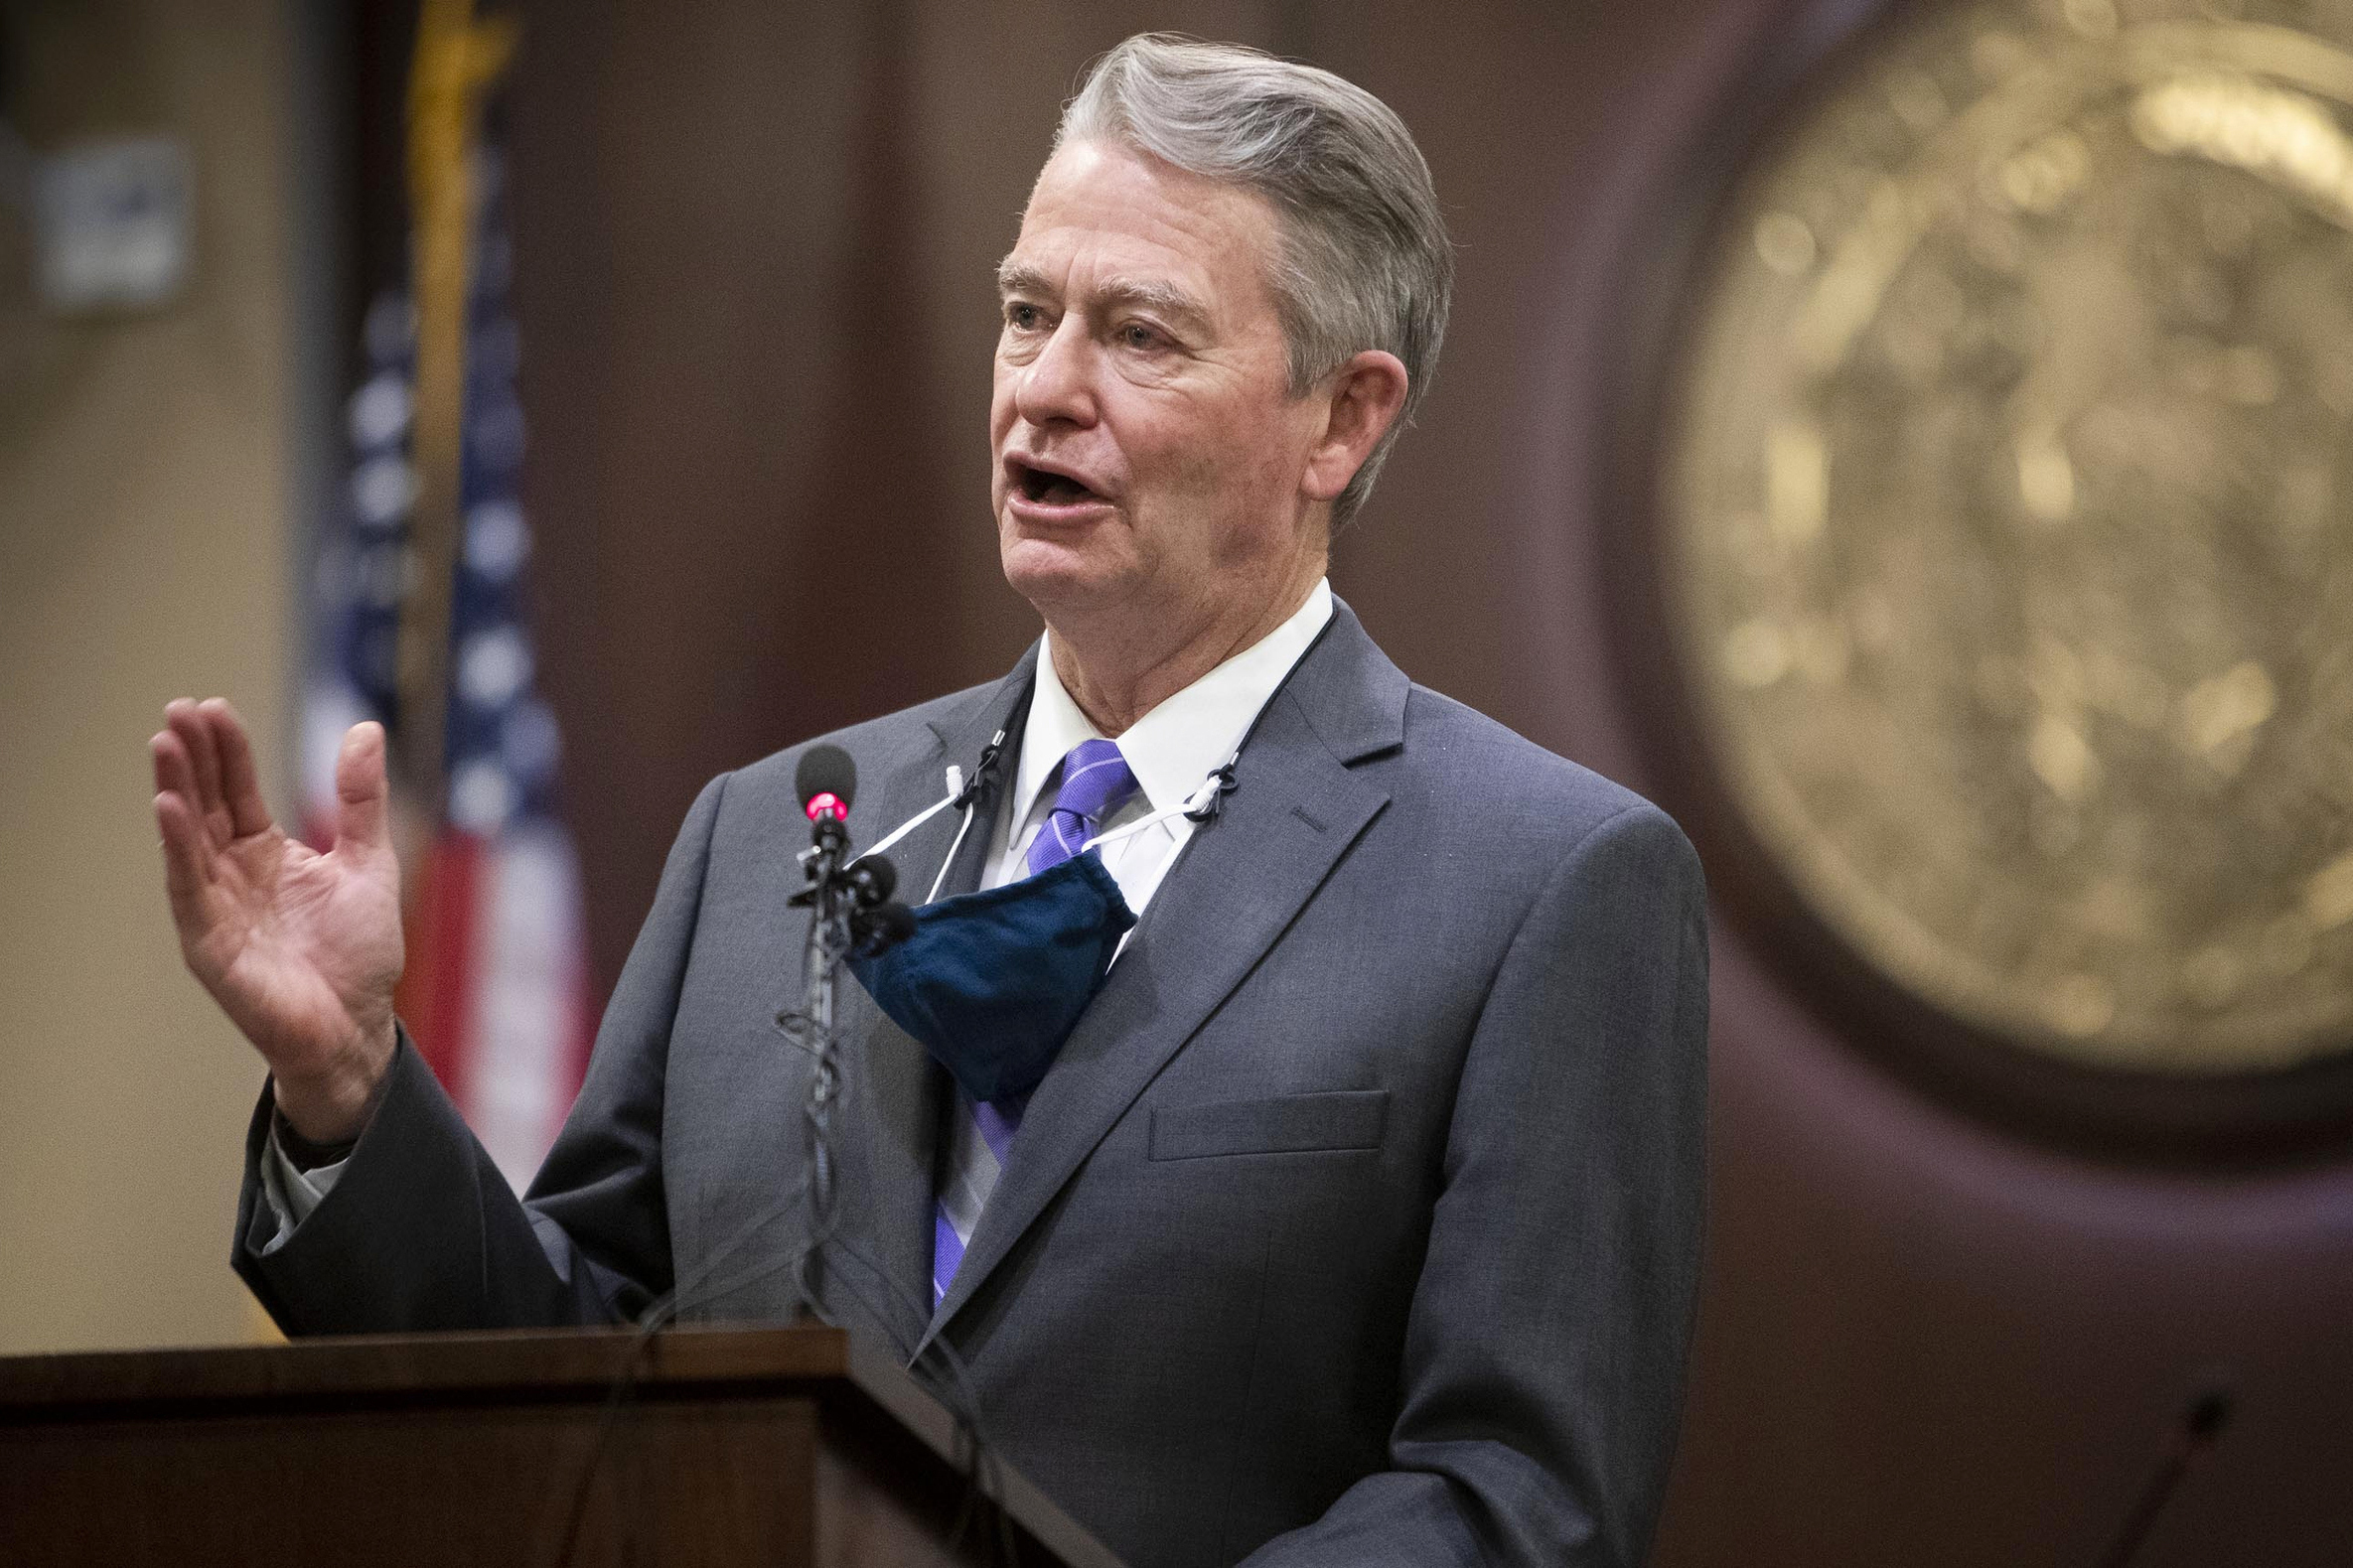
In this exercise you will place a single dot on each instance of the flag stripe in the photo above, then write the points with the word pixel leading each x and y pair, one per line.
pixel 444 979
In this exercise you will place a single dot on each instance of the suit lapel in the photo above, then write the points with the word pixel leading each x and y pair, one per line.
pixel 889 1149
pixel 1242 876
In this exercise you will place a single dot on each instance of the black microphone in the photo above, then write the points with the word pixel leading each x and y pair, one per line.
pixel 826 781
pixel 871 880
pixel 876 921
pixel 885 925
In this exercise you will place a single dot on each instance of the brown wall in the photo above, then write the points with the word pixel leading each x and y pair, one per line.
pixel 755 243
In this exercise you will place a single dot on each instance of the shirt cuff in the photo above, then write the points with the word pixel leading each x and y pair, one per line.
pixel 293 1193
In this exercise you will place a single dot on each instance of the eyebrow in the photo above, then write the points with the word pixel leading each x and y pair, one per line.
pixel 1166 298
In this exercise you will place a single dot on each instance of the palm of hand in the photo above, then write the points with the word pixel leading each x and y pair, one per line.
pixel 300 949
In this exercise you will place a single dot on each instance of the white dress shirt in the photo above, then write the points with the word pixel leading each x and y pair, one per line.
pixel 1171 749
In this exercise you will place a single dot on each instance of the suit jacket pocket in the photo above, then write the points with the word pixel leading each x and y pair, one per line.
pixel 1291 1124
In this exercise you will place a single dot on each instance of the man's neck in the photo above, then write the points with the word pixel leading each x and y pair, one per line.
pixel 1120 667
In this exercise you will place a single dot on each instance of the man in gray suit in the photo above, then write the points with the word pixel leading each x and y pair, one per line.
pixel 1357 1219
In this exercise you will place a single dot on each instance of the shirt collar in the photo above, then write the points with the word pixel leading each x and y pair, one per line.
pixel 1174 746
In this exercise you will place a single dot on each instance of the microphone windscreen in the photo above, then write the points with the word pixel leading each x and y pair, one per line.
pixel 826 781
pixel 878 878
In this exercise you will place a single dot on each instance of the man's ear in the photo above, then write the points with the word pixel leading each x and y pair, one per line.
pixel 1361 402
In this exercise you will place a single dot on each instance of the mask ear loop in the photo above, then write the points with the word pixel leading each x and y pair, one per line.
pixel 915 821
pixel 960 793
pixel 956 793
pixel 1201 807
pixel 972 808
pixel 966 793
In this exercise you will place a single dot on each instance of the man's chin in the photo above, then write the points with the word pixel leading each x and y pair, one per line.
pixel 1052 572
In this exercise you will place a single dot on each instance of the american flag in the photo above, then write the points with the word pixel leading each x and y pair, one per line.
pixel 496 993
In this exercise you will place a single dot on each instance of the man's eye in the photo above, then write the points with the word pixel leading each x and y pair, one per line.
pixel 1135 334
pixel 1021 317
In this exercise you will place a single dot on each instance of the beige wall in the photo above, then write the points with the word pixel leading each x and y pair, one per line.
pixel 144 551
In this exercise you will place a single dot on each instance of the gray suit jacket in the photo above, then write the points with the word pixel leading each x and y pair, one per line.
pixel 1358 1222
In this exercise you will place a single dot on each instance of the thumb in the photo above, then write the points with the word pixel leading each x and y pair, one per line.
pixel 362 820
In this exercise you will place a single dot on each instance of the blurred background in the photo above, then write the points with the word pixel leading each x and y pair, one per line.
pixel 675 321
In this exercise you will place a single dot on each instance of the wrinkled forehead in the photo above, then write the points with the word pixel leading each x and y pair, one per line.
pixel 1103 218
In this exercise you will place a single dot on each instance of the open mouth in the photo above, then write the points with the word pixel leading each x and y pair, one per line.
pixel 1046 489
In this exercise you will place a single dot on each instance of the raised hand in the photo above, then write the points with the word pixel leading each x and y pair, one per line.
pixel 301 949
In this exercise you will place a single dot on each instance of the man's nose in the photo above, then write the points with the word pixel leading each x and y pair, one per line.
pixel 1058 385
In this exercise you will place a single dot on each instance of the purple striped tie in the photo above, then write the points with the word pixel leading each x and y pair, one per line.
pixel 1095 781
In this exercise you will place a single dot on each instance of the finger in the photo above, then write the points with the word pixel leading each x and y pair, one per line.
pixel 172 772
pixel 184 855
pixel 239 785
pixel 361 792
pixel 195 734
pixel 174 778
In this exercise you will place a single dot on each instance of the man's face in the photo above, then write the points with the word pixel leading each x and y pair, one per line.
pixel 1148 452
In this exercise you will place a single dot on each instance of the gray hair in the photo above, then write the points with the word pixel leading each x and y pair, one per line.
pixel 1364 262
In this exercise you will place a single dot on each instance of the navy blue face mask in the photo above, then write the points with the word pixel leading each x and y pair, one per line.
pixel 992 983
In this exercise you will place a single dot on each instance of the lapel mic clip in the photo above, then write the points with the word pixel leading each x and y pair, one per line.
pixel 1209 799
pixel 980 772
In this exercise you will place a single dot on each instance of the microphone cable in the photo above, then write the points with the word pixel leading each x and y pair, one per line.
pixel 827 783
pixel 975 1457
pixel 2201 1423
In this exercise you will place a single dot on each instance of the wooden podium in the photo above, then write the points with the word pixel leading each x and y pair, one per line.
pixel 755 1445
